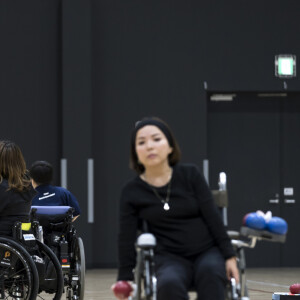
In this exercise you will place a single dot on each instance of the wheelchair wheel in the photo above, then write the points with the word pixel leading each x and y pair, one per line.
pixel 76 287
pixel 138 275
pixel 145 277
pixel 53 281
pixel 18 274
pixel 149 282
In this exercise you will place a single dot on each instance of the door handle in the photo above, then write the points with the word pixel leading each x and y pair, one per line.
pixel 274 201
pixel 289 201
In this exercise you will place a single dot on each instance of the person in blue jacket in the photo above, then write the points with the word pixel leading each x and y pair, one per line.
pixel 41 174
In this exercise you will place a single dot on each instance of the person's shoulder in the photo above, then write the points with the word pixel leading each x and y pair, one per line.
pixel 188 172
pixel 130 183
pixel 187 168
pixel 60 189
pixel 4 184
pixel 31 191
pixel 42 188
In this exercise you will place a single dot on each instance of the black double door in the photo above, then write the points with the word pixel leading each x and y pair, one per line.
pixel 255 139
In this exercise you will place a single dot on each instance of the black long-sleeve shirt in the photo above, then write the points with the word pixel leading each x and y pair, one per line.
pixel 14 206
pixel 191 226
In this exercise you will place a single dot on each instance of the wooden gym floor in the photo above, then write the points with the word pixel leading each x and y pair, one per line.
pixel 262 283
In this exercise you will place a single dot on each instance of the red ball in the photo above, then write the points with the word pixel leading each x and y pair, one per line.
pixel 295 288
pixel 122 289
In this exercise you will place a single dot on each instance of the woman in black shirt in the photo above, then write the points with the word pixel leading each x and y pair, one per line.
pixel 193 248
pixel 16 191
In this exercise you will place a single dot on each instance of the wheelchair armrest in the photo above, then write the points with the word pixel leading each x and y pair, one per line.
pixel 262 235
pixel 233 234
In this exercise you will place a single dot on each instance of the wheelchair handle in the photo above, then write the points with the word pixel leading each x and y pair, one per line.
pixel 146 240
pixel 222 181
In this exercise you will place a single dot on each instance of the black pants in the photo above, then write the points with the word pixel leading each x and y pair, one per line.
pixel 205 273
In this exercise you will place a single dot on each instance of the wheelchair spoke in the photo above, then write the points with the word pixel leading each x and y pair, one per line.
pixel 53 282
pixel 40 297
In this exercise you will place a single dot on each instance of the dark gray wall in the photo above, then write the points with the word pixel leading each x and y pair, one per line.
pixel 76 75
pixel 241 39
pixel 142 65
pixel 30 81
pixel 152 58
pixel 77 109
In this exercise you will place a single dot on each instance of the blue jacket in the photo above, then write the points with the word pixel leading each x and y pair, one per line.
pixel 49 195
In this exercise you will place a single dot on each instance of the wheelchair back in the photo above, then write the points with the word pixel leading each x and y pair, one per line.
pixel 26 234
pixel 57 230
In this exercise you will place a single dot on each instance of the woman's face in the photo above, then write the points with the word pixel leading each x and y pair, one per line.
pixel 152 146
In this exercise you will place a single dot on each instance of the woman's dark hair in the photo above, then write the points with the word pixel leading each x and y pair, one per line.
pixel 13 166
pixel 174 157
pixel 41 172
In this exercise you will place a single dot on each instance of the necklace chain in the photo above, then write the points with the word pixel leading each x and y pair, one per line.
pixel 165 202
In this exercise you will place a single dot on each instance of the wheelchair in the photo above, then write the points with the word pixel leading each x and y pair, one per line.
pixel 28 267
pixel 146 281
pixel 60 235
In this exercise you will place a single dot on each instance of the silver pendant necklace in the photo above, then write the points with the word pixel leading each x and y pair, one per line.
pixel 165 202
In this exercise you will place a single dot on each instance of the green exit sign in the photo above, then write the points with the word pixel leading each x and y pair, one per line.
pixel 285 66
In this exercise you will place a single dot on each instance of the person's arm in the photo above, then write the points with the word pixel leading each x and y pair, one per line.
pixel 211 215
pixel 73 202
pixel 75 218
pixel 231 269
pixel 128 221
pixel 215 223
pixel 4 199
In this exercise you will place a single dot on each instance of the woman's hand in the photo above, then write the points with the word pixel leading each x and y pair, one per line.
pixel 231 269
pixel 122 290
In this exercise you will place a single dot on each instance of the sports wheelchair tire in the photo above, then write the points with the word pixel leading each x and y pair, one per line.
pixel 52 258
pixel 19 277
pixel 75 289
pixel 145 277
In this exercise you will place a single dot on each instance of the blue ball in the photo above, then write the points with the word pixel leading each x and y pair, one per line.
pixel 254 221
pixel 277 225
